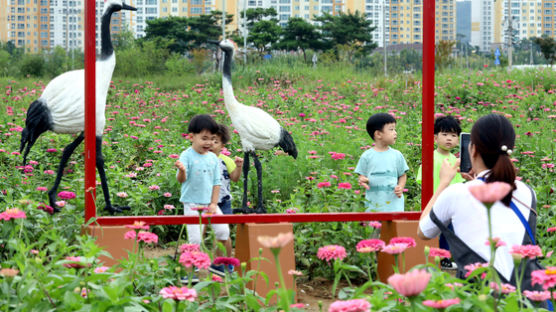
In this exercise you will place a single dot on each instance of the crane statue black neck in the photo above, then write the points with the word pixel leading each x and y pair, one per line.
pixel 257 130
pixel 61 108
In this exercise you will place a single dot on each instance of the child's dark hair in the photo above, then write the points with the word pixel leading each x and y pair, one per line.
pixel 223 133
pixel 202 122
pixel 377 122
pixel 446 124
pixel 488 135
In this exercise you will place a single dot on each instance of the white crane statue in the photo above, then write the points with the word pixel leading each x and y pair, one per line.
pixel 61 107
pixel 257 129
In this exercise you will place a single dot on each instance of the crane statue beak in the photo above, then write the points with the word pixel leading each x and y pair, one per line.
pixel 128 7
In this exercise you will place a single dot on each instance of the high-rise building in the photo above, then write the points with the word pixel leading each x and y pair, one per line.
pixel 43 24
pixel 463 21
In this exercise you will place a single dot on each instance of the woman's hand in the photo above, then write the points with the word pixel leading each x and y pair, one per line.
pixel 448 172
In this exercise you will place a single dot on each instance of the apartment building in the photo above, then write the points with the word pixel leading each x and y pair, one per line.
pixel 43 24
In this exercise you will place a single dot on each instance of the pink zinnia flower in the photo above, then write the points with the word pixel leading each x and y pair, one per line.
pixel 195 258
pixel 276 241
pixel 441 304
pixel 42 188
pixel 66 195
pixel 61 203
pixel 546 278
pixel 498 242
pixel 370 245
pixel 337 156
pixel 154 187
pixel 179 293
pixel 331 252
pixel 291 210
pixel 439 252
pixel 189 248
pixel 75 262
pixel 344 185
pixel 411 283
pixel 130 235
pixel 294 273
pixel 394 249
pixel 551 229
pixel 297 305
pixel 216 278
pixel 324 184
pixel 354 305
pixel 526 251
pixel 375 224
pixel 147 237
pixel 121 194
pixel 410 242
pixel 506 288
pixel 9 272
pixel 490 193
pixel 167 194
pixel 13 213
pixel 46 208
pixel 226 261
pixel 474 266
pixel 537 295
pixel 101 269
pixel 138 225
pixel 169 207
pixel 200 209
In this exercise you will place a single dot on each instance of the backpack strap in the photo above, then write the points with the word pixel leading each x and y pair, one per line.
pixel 461 252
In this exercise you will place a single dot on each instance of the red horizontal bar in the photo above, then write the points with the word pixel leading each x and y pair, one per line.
pixel 264 218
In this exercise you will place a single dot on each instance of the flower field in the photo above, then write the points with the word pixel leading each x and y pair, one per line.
pixel 325 111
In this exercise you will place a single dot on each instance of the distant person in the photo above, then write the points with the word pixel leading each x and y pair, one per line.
pixel 199 175
pixel 315 59
pixel 446 137
pixel 382 169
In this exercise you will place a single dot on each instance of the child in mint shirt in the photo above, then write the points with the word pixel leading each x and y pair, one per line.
pixel 446 137
pixel 382 169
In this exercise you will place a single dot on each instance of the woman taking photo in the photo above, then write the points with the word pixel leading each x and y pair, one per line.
pixel 492 143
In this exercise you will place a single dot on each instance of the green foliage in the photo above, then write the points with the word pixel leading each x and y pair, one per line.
pixel 351 29
pixel 56 62
pixel 547 46
pixel 298 33
pixel 264 34
pixel 32 65
pixel 4 63
pixel 442 53
pixel 146 59
pixel 177 65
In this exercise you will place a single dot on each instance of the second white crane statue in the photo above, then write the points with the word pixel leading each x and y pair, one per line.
pixel 257 129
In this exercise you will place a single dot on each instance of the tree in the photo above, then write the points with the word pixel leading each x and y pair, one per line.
pixel 298 33
pixel 347 29
pixel 548 48
pixel 264 33
pixel 173 29
pixel 205 27
pixel 442 53
pixel 4 63
pixel 56 62
pixel 256 15
pixel 32 65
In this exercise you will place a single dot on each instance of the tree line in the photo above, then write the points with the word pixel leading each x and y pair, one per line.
pixel 181 45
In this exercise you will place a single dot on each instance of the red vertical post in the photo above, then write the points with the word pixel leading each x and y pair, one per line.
pixel 427 125
pixel 90 111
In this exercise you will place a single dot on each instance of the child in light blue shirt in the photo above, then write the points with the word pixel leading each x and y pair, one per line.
pixel 382 169
pixel 199 175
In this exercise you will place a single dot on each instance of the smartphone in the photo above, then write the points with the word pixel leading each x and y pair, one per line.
pixel 465 159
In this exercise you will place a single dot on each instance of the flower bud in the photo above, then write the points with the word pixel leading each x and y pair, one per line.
pixel 177 269
pixel 38 260
pixel 482 297
pixel 77 290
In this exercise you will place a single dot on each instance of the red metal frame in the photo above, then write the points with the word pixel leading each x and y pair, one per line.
pixel 426 154
pixel 90 112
